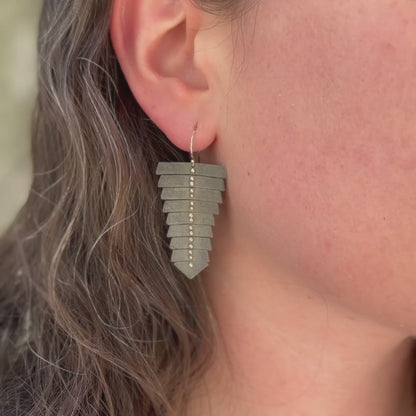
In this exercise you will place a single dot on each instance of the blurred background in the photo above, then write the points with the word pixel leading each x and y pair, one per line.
pixel 18 27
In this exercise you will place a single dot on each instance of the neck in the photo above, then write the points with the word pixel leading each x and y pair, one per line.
pixel 285 349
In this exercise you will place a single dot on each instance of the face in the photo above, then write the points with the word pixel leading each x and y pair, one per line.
pixel 321 148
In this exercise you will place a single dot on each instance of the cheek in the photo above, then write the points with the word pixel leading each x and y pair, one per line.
pixel 323 165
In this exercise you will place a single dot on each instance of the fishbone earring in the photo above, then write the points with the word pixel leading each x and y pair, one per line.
pixel 192 192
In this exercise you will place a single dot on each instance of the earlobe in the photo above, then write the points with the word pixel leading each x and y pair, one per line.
pixel 154 43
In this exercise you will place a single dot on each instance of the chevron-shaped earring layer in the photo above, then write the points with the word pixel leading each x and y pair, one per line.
pixel 191 193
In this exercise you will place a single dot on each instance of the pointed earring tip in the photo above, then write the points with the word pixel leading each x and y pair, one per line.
pixel 190 272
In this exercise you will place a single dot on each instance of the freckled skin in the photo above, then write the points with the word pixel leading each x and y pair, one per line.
pixel 323 170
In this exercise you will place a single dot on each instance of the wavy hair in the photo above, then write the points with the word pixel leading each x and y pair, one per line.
pixel 94 319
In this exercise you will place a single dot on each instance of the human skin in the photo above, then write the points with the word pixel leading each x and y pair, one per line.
pixel 310 104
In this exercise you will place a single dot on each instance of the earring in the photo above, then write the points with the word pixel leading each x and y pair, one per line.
pixel 192 192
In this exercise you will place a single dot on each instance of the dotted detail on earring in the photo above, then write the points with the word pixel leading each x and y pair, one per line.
pixel 191 219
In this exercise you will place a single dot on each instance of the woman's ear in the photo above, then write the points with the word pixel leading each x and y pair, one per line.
pixel 154 41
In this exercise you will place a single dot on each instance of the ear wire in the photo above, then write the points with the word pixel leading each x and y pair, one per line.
pixel 192 143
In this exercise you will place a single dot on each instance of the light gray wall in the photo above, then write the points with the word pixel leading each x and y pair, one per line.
pixel 18 27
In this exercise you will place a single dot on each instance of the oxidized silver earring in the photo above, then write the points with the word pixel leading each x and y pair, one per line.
pixel 192 192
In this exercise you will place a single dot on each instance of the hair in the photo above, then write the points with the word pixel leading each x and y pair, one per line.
pixel 94 318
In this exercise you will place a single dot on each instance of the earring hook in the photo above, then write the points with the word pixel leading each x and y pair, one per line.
pixel 192 142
